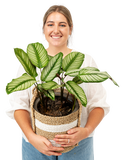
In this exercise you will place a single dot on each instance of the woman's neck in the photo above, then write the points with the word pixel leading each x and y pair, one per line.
pixel 52 51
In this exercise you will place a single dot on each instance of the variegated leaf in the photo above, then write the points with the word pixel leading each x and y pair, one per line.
pixel 77 91
pixel 21 83
pixel 37 53
pixel 47 93
pixel 93 76
pixel 72 61
pixel 73 73
pixel 49 72
pixel 50 85
pixel 21 54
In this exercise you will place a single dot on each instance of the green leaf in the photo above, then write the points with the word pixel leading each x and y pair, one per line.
pixel 93 76
pixel 50 57
pixel 77 91
pixel 50 85
pixel 73 73
pixel 60 72
pixel 72 61
pixel 25 61
pixel 48 93
pixel 77 80
pixel 113 81
pixel 12 47
pixel 6 83
pixel 21 83
pixel 116 84
pixel 49 72
pixel 37 54
pixel 87 69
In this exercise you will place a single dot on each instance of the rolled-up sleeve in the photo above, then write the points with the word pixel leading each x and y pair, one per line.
pixel 20 99
pixel 96 97
pixel 95 92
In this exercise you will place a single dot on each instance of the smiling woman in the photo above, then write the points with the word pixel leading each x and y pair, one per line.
pixel 69 21
pixel 57 30
pixel 57 27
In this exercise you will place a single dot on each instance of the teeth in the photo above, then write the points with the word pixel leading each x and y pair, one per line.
pixel 55 37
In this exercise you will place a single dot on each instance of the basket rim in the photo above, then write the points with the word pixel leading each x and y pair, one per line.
pixel 62 118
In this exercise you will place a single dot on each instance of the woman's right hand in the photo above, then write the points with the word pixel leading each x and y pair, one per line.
pixel 44 146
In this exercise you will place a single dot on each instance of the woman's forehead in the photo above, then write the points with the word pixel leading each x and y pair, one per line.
pixel 56 17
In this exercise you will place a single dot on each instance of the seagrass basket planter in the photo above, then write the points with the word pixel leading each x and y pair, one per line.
pixel 48 126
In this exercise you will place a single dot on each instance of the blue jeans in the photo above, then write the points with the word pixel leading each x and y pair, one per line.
pixel 84 151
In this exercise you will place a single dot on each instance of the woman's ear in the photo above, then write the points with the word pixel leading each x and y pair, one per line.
pixel 71 28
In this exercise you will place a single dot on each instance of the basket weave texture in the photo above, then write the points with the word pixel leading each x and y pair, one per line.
pixel 48 126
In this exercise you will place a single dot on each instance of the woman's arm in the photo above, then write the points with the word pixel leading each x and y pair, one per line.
pixel 97 127
pixel 22 117
pixel 95 117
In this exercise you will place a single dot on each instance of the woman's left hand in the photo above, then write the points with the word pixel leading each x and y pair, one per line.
pixel 72 137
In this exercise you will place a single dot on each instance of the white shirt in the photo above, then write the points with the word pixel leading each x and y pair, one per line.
pixel 95 93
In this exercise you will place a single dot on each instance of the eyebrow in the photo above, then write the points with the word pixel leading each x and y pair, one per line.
pixel 54 22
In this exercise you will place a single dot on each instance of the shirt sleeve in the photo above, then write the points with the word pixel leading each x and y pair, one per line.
pixel 19 99
pixel 96 94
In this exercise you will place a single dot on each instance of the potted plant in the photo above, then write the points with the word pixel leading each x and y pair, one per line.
pixel 56 108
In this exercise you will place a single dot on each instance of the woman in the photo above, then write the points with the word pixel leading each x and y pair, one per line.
pixel 57 27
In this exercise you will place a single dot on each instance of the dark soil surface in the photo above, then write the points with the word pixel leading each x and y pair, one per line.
pixel 55 108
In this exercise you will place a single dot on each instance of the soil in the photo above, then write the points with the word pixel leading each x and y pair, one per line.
pixel 55 108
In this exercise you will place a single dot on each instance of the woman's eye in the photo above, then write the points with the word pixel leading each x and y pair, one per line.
pixel 50 24
pixel 60 25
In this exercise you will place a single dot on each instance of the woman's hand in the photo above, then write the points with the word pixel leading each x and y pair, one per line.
pixel 72 137
pixel 44 146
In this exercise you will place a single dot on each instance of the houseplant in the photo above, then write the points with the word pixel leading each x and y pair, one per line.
pixel 50 68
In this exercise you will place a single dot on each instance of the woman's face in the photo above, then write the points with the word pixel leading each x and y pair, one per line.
pixel 57 30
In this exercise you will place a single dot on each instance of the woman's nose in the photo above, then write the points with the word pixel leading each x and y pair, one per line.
pixel 56 29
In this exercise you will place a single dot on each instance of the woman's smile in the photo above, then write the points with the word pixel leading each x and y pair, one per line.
pixel 56 37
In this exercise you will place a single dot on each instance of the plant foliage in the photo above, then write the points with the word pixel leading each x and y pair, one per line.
pixel 33 54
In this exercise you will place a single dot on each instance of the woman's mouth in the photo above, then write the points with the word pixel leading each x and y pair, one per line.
pixel 56 37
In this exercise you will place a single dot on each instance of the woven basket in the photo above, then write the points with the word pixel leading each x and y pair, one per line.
pixel 48 126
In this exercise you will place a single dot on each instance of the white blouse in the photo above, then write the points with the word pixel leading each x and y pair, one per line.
pixel 96 95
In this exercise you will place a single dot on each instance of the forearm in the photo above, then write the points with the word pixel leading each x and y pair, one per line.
pixel 95 117
pixel 22 117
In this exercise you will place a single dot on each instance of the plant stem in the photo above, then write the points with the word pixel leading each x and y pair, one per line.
pixel 58 76
pixel 61 95
pixel 40 94
pixel 67 98
pixel 62 88
pixel 46 103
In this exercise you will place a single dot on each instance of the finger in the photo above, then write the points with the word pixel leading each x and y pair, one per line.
pixel 50 153
pixel 72 131
pixel 66 145
pixel 62 141
pixel 62 136
pixel 51 147
pixel 58 149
